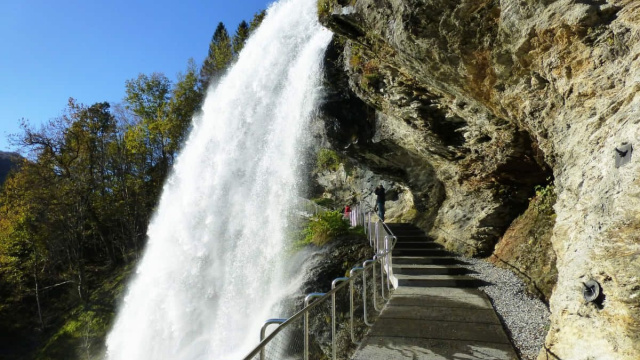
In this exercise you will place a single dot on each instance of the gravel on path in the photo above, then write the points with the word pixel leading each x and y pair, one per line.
pixel 525 318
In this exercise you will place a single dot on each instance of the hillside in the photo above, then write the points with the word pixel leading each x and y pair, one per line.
pixel 8 161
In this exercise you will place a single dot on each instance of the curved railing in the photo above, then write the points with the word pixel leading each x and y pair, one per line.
pixel 290 340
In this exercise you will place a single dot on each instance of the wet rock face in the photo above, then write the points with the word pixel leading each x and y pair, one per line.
pixel 494 97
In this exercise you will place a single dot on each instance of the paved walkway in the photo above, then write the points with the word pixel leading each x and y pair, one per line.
pixel 436 313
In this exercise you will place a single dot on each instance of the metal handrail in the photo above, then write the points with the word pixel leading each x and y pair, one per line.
pixel 290 320
pixel 264 330
pixel 383 256
pixel 307 299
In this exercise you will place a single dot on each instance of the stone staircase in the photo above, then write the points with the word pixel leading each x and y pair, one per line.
pixel 419 261
pixel 437 312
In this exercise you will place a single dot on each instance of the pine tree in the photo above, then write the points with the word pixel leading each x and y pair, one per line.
pixel 240 37
pixel 256 21
pixel 219 57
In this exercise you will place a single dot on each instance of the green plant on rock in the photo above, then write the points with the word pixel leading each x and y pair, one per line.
pixel 327 160
pixel 324 227
pixel 325 202
pixel 355 61
pixel 545 197
pixel 325 7
pixel 370 73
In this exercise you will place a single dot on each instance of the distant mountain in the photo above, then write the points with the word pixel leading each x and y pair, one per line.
pixel 8 161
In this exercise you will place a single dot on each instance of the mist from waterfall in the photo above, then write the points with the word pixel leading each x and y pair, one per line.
pixel 213 269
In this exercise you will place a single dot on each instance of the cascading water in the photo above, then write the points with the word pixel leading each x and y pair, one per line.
pixel 213 266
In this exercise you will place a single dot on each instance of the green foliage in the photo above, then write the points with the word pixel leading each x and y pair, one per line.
pixel 186 97
pixel 81 334
pixel 79 207
pixel 358 231
pixel 355 61
pixel 78 338
pixel 257 20
pixel 327 160
pixel 240 37
pixel 325 202
pixel 325 7
pixel 325 227
pixel 545 197
pixel 370 74
pixel 147 96
pixel 224 49
pixel 219 57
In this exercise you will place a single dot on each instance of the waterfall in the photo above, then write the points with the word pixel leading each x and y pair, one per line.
pixel 213 268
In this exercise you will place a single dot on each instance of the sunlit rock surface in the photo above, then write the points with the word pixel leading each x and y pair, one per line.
pixel 472 103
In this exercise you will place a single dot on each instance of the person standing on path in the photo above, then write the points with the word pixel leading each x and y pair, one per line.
pixel 379 191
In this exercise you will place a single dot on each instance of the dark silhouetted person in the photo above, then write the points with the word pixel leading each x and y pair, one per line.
pixel 379 191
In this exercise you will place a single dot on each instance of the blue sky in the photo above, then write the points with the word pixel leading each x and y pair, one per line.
pixel 87 49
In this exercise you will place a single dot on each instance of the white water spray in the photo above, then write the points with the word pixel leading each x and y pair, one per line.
pixel 212 269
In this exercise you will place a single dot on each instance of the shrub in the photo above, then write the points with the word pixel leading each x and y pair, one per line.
pixel 325 202
pixel 324 227
pixel 545 197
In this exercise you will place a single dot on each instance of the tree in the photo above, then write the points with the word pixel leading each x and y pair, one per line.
pixel 257 20
pixel 22 251
pixel 73 179
pixel 147 96
pixel 219 57
pixel 149 139
pixel 240 37
pixel 186 97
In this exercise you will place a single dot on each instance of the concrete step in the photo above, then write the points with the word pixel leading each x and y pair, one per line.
pixel 438 280
pixel 402 238
pixel 407 232
pixel 425 260
pixel 399 226
pixel 410 235
pixel 436 323
pixel 417 245
pixel 419 252
pixel 429 270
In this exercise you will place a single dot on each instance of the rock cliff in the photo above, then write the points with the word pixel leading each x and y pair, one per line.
pixel 470 105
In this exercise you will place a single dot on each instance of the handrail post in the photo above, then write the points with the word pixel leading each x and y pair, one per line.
pixel 373 281
pixel 264 329
pixel 387 263
pixel 364 289
pixel 351 273
pixel 378 235
pixel 370 230
pixel 381 260
pixel 335 282
pixel 307 300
